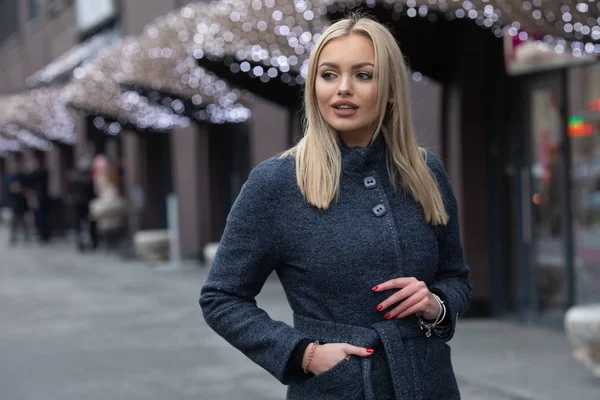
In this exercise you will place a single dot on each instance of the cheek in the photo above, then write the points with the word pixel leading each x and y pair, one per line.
pixel 322 98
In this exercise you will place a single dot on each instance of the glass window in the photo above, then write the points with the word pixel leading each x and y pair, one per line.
pixel 584 134
pixel 33 7
pixel 546 140
pixel 9 18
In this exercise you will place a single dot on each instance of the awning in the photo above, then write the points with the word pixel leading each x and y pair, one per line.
pixel 278 37
pixel 44 112
pixel 12 133
pixel 272 40
pixel 573 27
pixel 95 91
pixel 161 68
pixel 60 69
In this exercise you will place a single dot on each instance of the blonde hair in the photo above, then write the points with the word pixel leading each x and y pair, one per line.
pixel 317 154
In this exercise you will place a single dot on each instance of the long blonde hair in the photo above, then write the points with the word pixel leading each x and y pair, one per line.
pixel 317 154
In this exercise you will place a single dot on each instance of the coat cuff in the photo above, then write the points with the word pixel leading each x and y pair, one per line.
pixel 294 370
pixel 447 327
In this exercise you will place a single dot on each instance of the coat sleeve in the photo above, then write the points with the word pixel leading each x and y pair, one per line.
pixel 452 278
pixel 248 252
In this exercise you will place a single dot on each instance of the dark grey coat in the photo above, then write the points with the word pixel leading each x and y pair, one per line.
pixel 328 261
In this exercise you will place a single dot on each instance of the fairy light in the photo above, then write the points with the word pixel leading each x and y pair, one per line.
pixel 272 39
pixel 243 33
pixel 44 111
pixel 95 91
pixel 103 86
pixel 9 145
pixel 27 138
pixel 559 23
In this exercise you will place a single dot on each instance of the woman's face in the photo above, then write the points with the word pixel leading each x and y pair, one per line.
pixel 346 89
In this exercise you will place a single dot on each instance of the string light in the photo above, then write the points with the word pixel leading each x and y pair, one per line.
pixel 9 145
pixel 272 39
pixel 244 33
pixel 43 111
pixel 565 27
pixel 28 138
pixel 95 91
pixel 101 88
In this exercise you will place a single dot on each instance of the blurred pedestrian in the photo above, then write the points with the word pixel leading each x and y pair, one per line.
pixel 361 226
pixel 16 189
pixel 37 181
pixel 83 192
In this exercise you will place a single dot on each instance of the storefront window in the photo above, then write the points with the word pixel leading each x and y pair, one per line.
pixel 548 253
pixel 584 133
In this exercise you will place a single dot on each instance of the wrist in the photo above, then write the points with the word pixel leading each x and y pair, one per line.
pixel 432 312
pixel 308 357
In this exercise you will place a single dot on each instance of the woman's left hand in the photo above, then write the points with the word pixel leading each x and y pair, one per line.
pixel 414 295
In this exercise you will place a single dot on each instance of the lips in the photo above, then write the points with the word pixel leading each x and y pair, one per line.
pixel 344 108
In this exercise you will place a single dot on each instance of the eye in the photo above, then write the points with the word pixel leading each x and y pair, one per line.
pixel 327 76
pixel 363 76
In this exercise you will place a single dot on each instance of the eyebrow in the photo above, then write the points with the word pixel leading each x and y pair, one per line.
pixel 355 66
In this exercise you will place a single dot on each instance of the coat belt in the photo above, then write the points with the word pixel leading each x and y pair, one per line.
pixel 386 334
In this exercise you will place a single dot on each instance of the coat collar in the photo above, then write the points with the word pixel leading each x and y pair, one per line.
pixel 358 159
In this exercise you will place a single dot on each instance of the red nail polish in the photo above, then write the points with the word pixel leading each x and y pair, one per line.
pixel 370 351
pixel 379 307
pixel 387 316
pixel 375 288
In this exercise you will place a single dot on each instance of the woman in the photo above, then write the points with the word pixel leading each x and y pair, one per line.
pixel 361 227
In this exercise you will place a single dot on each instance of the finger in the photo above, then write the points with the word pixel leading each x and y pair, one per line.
pixel 397 283
pixel 406 304
pixel 420 306
pixel 400 295
pixel 358 351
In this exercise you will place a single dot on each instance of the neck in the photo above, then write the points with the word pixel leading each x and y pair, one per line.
pixel 357 139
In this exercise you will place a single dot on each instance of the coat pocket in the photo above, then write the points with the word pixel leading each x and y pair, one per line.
pixel 439 374
pixel 343 381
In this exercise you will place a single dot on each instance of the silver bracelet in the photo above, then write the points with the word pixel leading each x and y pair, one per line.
pixel 427 326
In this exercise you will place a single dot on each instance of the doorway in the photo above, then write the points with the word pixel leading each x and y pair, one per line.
pixel 542 257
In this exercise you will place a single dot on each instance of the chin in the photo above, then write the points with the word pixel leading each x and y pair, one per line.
pixel 345 126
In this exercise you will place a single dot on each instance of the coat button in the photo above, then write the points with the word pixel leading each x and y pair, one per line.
pixel 370 182
pixel 379 210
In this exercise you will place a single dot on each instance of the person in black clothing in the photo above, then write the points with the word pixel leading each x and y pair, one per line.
pixel 38 184
pixel 82 190
pixel 16 187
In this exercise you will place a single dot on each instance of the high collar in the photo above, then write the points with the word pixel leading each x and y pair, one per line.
pixel 360 158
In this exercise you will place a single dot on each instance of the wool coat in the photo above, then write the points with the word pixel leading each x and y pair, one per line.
pixel 328 261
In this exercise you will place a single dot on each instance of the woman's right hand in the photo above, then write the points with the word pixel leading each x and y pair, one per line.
pixel 326 356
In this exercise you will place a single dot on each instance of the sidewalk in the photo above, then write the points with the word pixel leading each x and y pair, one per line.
pixel 520 362
pixel 93 326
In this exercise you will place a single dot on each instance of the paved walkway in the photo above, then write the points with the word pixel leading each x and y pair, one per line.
pixel 94 327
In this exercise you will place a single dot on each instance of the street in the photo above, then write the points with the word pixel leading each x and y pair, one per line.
pixel 90 326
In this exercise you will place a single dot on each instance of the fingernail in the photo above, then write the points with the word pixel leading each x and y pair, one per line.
pixel 379 307
pixel 375 288
pixel 387 316
pixel 370 351
pixel 397 317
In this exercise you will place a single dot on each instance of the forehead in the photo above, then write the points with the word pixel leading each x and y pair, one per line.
pixel 351 49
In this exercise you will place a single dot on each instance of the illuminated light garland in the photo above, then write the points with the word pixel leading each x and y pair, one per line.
pixel 44 111
pixel 28 138
pixel 100 87
pixel 95 91
pixel 279 35
pixel 9 145
pixel 244 33
pixel 573 27
pixel 170 69
pixel 11 131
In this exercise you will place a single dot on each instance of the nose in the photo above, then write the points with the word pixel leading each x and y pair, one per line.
pixel 345 88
